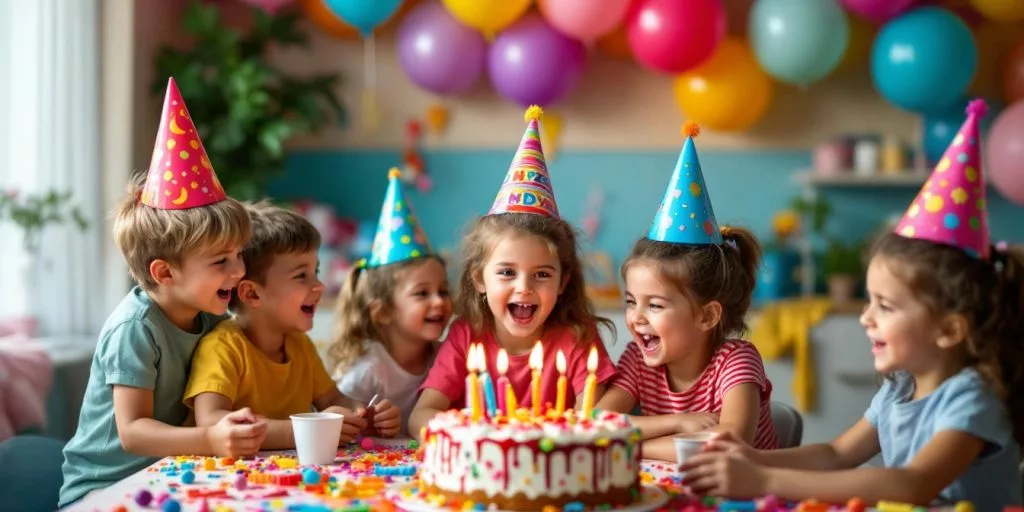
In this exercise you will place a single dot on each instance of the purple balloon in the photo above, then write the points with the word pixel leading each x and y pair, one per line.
pixel 531 63
pixel 437 52
pixel 878 11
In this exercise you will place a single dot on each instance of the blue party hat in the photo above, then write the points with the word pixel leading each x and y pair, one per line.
pixel 685 215
pixel 399 235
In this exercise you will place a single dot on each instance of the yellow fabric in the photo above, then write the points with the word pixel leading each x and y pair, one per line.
pixel 226 363
pixel 786 326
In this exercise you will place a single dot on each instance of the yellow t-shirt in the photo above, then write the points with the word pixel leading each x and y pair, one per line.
pixel 226 363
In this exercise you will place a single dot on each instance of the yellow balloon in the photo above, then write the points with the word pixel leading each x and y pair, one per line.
pixel 1001 11
pixel 487 16
pixel 729 92
pixel 858 51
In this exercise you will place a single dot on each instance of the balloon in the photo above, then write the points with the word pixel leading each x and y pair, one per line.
pixel 531 63
pixel 941 127
pixel 858 51
pixel 728 92
pixel 994 42
pixel 798 41
pixel 1005 158
pixel 487 16
pixel 738 12
pixel 878 11
pixel 616 44
pixel 438 53
pixel 585 20
pixel 317 12
pixel 1002 11
pixel 671 36
pixel 269 6
pixel 924 60
pixel 1013 74
pixel 364 16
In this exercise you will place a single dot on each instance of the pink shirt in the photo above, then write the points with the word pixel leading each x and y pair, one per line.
pixel 735 362
pixel 448 375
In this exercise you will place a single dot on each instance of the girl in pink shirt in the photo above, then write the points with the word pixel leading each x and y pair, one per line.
pixel 522 281
pixel 688 288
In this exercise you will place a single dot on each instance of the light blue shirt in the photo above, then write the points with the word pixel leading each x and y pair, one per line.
pixel 141 348
pixel 965 403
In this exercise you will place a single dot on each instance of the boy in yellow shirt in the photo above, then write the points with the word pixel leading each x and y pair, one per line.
pixel 263 359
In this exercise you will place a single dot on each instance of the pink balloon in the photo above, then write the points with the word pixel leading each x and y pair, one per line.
pixel 1005 158
pixel 673 36
pixel 585 20
pixel 878 11
pixel 268 6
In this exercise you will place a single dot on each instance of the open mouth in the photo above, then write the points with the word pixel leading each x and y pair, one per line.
pixel 224 294
pixel 522 313
pixel 649 342
pixel 308 309
pixel 434 320
pixel 877 346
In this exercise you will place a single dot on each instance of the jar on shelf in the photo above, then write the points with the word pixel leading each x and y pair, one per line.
pixel 866 157
pixel 831 157
pixel 894 156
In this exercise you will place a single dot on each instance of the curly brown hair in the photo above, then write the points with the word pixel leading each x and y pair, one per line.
pixel 706 273
pixel 989 295
pixel 363 287
pixel 573 310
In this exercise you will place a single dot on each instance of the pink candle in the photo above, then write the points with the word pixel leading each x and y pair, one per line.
pixel 503 382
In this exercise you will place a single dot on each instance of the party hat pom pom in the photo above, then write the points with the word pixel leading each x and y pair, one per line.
pixel 534 113
pixel 393 173
pixel 691 129
pixel 977 107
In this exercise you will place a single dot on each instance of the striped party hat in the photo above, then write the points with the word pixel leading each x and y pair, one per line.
pixel 527 185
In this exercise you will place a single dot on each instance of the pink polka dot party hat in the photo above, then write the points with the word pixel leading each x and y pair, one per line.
pixel 527 186
pixel 685 215
pixel 180 173
pixel 950 208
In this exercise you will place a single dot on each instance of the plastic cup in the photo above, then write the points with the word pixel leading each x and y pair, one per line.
pixel 316 436
pixel 688 445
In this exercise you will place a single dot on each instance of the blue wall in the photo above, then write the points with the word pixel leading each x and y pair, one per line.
pixel 746 188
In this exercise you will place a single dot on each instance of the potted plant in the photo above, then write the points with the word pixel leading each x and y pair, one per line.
pixel 244 107
pixel 843 266
pixel 778 277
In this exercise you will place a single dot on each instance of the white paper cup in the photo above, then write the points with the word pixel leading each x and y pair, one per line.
pixel 316 436
pixel 688 445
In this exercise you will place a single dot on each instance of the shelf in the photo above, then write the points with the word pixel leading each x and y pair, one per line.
pixel 914 178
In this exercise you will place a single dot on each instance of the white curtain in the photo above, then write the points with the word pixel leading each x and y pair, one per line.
pixel 49 140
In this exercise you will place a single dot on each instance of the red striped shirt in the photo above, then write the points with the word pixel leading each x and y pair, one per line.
pixel 735 362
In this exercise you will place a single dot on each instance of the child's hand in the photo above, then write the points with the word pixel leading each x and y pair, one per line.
pixel 692 422
pixel 386 418
pixel 726 442
pixel 728 475
pixel 237 434
pixel 354 423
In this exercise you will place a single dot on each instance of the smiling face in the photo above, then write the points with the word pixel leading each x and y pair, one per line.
pixel 204 279
pixel 666 325
pixel 521 279
pixel 289 293
pixel 420 304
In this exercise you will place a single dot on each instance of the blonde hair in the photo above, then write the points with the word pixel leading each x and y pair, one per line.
pixel 275 231
pixel 364 287
pixel 145 234
pixel 573 310
pixel 725 273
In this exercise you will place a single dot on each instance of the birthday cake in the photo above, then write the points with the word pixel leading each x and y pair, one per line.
pixel 529 463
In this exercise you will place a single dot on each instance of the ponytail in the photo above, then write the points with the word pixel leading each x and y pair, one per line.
pixel 1007 333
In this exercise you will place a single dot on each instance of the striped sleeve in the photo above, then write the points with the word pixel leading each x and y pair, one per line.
pixel 628 371
pixel 742 365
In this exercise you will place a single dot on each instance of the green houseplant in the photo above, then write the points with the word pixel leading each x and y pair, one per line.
pixel 244 107
pixel 34 212
pixel 843 264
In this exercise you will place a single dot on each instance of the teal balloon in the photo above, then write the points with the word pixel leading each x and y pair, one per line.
pixel 924 60
pixel 364 15
pixel 798 41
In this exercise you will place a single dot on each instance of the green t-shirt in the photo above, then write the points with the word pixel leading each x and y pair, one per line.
pixel 138 347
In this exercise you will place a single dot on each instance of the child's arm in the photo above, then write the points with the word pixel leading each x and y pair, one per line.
pixel 430 403
pixel 235 434
pixel 741 409
pixel 655 426
pixel 212 407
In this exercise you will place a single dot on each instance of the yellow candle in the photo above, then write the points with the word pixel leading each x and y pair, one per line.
pixel 560 399
pixel 473 385
pixel 590 388
pixel 536 364
pixel 506 395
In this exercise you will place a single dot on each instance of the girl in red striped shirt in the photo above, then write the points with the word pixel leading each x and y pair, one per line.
pixel 688 287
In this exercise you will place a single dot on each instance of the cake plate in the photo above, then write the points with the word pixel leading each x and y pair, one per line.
pixel 651 498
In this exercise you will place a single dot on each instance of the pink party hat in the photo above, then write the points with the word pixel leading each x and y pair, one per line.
pixel 950 208
pixel 180 174
pixel 527 185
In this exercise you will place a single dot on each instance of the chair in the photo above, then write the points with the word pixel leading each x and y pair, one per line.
pixel 789 425
pixel 30 462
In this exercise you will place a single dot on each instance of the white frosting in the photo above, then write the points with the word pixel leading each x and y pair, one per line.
pixel 464 457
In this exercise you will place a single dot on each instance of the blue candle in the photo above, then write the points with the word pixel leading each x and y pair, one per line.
pixel 490 403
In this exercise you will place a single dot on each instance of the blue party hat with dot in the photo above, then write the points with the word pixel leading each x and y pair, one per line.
pixel 685 215
pixel 399 235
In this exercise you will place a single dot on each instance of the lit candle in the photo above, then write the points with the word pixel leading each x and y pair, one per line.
pixel 504 388
pixel 472 385
pixel 486 382
pixel 536 364
pixel 560 399
pixel 590 388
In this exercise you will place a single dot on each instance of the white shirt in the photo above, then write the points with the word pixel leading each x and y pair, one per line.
pixel 377 373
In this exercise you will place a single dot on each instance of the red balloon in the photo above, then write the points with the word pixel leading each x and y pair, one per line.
pixel 672 36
